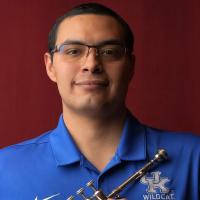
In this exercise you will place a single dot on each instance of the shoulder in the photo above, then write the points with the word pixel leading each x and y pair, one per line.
pixel 172 136
pixel 25 149
pixel 178 143
pixel 20 163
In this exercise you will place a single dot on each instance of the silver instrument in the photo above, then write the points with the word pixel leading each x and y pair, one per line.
pixel 160 156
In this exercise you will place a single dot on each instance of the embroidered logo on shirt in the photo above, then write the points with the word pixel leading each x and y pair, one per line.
pixel 156 187
pixel 47 198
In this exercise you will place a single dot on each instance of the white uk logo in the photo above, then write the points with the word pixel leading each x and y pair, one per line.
pixel 47 198
pixel 156 187
pixel 155 182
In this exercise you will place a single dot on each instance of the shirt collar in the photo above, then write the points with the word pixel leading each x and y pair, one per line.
pixel 64 148
pixel 132 144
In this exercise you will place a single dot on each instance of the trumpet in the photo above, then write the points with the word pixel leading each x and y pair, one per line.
pixel 160 156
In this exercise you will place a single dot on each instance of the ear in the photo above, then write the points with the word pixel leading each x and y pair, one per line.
pixel 132 66
pixel 50 69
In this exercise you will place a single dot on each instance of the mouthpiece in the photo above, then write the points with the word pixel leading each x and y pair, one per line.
pixel 161 155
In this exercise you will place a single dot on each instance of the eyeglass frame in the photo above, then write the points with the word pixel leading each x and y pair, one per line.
pixel 109 42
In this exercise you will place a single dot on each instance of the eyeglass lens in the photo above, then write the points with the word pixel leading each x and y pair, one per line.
pixel 79 52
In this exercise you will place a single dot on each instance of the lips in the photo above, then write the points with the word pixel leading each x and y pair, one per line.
pixel 92 84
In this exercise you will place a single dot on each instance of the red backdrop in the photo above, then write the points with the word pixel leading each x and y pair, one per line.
pixel 164 92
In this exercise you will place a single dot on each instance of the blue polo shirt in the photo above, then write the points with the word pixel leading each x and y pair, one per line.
pixel 52 167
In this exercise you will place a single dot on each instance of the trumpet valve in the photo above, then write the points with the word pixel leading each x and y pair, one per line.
pixel 90 184
pixel 71 198
pixel 82 194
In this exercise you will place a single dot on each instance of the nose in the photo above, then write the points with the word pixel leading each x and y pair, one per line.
pixel 92 62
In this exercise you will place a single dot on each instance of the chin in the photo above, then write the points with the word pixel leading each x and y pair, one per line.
pixel 91 107
pixel 93 104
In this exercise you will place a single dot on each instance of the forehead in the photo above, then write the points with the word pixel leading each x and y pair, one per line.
pixel 89 28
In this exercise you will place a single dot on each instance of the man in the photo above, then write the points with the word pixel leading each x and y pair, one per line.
pixel 91 60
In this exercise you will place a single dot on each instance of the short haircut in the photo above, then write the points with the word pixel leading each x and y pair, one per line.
pixel 97 9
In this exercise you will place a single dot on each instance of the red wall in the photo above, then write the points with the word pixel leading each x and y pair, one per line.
pixel 164 92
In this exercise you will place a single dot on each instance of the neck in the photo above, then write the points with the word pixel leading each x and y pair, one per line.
pixel 96 135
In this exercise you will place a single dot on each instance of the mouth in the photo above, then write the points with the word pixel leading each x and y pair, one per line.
pixel 92 84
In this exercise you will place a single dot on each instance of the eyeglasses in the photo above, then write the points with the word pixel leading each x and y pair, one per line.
pixel 78 52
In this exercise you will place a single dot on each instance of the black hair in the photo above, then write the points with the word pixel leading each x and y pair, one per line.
pixel 92 8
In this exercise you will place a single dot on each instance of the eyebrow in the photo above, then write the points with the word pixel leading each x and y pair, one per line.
pixel 109 41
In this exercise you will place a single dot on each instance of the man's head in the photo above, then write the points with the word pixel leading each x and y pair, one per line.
pixel 97 9
pixel 90 58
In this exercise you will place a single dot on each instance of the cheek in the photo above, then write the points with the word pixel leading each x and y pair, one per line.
pixel 65 75
pixel 119 76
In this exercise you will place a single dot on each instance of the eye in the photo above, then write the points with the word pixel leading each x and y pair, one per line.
pixel 72 50
pixel 108 51
pixel 111 52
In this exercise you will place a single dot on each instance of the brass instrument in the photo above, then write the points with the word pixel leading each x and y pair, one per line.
pixel 160 156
